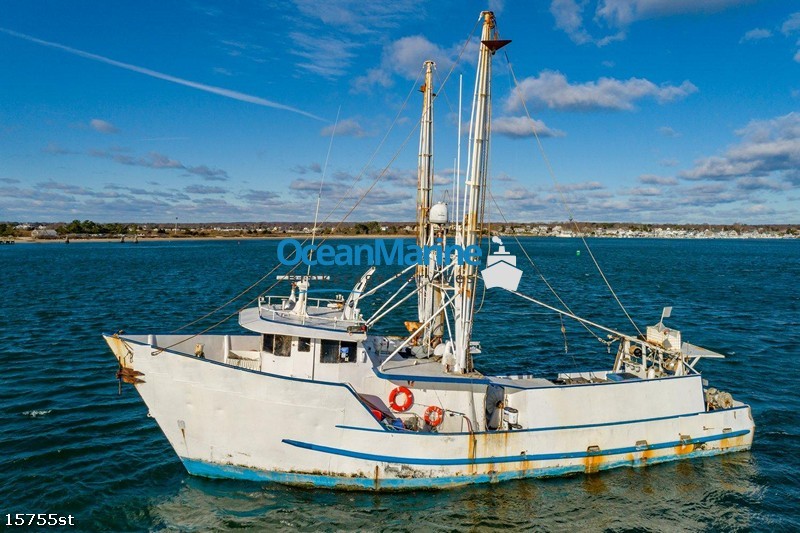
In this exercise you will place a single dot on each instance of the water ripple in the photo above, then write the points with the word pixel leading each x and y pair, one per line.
pixel 71 444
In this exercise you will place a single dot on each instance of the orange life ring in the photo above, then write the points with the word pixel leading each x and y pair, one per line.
pixel 434 415
pixel 407 402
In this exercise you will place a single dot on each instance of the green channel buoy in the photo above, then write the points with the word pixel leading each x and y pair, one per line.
pixel 577 252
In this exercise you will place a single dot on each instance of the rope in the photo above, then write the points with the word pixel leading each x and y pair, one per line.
pixel 560 191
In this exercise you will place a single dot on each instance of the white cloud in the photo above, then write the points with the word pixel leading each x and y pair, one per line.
pixel 621 13
pixel 552 89
pixel 652 179
pixel 303 185
pixel 259 196
pixel 208 173
pixel 523 127
pixel 102 126
pixel 405 57
pixel 759 209
pixel 792 24
pixel 348 127
pixel 157 160
pixel 204 189
pixel 760 183
pixel 305 169
pixel 497 6
pixel 769 148
pixel 328 57
pixel 327 33
pixel 359 17
pixel 569 17
pixel 609 19
pixel 56 149
pixel 756 35
pixel 583 186
pixel 666 131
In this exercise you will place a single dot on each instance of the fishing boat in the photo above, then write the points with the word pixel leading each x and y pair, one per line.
pixel 310 395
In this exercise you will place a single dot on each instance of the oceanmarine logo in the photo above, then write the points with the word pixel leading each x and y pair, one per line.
pixel 380 252
pixel 501 269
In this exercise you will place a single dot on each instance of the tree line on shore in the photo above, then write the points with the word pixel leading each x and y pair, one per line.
pixel 89 228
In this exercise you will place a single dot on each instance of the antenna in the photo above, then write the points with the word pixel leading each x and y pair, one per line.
pixel 457 177
pixel 319 194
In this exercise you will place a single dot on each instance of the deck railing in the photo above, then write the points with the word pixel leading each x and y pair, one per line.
pixel 272 307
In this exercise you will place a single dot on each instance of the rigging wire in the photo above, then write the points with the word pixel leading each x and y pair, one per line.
pixel 332 211
pixel 483 217
pixel 560 191
pixel 329 215
pixel 549 286
pixel 321 184
pixel 338 224
pixel 460 54
pixel 538 270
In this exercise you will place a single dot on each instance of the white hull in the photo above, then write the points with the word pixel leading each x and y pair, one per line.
pixel 311 398
pixel 231 422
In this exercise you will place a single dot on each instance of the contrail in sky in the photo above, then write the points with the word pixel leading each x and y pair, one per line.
pixel 152 73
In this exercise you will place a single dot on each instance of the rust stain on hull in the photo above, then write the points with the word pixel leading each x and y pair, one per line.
pixel 683 449
pixel 472 444
pixel 732 442
pixel 121 351
pixel 592 463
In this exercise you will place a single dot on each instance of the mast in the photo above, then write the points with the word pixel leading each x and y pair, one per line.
pixel 425 162
pixel 475 192
pixel 429 297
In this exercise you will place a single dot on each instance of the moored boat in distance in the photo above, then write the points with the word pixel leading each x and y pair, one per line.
pixel 309 395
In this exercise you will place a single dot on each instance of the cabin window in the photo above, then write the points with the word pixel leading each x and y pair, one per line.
pixel 337 352
pixel 303 344
pixel 283 346
pixel 347 353
pixel 280 345
pixel 329 352
pixel 267 342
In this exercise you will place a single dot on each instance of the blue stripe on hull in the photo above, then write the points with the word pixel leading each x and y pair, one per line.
pixel 506 459
pixel 382 429
pixel 211 470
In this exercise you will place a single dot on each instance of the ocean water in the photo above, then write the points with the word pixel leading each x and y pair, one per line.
pixel 71 444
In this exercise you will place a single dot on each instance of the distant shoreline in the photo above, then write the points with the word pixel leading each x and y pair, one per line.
pixel 30 240
pixel 88 231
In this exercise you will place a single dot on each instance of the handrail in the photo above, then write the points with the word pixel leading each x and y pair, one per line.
pixel 267 304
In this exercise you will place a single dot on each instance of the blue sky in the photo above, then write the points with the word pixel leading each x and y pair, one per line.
pixel 648 110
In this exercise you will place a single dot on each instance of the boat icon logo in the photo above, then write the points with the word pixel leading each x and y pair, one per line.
pixel 501 269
